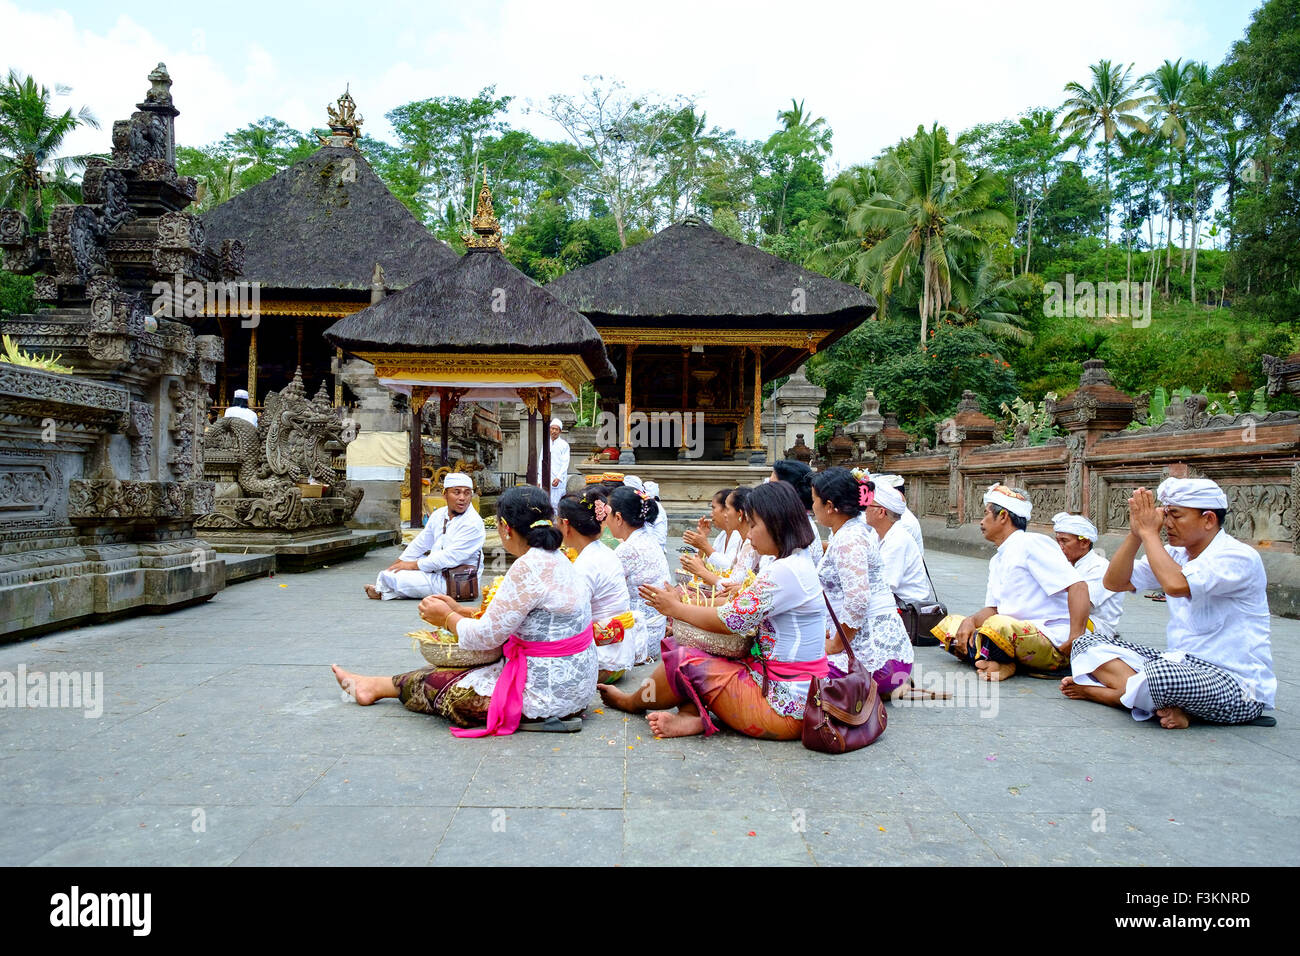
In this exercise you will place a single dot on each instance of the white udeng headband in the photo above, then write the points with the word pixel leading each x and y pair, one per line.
pixel 1200 493
pixel 1066 523
pixel 457 480
pixel 1021 507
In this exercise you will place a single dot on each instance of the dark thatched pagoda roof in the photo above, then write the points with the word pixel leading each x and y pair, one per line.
pixel 692 270
pixel 322 225
pixel 482 303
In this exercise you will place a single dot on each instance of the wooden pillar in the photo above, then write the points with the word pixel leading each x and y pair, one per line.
pixel 448 399
pixel 626 455
pixel 252 366
pixel 758 398
pixel 544 413
pixel 338 378
pixel 686 396
pixel 529 397
pixel 418 397
pixel 298 333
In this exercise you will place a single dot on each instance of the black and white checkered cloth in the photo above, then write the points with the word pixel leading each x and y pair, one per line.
pixel 1202 689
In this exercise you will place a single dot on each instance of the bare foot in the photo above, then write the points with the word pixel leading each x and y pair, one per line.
pixel 1099 695
pixel 665 723
pixel 995 670
pixel 1072 690
pixel 621 699
pixel 1173 718
pixel 364 690
pixel 372 593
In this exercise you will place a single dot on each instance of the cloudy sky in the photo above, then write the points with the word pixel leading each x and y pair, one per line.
pixel 873 70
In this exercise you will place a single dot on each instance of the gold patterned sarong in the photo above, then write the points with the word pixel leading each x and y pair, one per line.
pixel 1021 641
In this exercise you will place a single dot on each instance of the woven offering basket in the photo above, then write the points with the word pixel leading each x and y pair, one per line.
pixel 719 645
pixel 441 650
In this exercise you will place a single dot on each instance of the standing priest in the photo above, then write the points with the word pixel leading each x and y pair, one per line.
pixel 559 465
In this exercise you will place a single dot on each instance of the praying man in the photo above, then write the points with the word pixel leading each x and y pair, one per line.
pixel 1076 536
pixel 453 535
pixel 559 465
pixel 1218 663
pixel 1036 603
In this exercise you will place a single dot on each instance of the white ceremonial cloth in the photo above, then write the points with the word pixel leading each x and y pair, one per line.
pixel 600 568
pixel 903 570
pixel 247 414
pixel 559 469
pixel 1107 606
pixel 449 541
pixel 1028 578
pixel 913 527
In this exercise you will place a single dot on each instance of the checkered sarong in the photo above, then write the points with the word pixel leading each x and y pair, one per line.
pixel 1202 689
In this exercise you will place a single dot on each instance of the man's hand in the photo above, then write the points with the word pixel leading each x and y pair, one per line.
pixel 1144 518
pixel 400 565
pixel 555 482
pixel 965 634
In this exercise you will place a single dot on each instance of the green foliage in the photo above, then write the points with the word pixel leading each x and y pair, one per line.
pixel 1034 419
pixel 13 355
pixel 17 294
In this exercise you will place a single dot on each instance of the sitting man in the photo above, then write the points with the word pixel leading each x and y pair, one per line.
pixel 1076 536
pixel 453 536
pixel 1036 603
pixel 1218 665
pixel 899 555
pixel 908 520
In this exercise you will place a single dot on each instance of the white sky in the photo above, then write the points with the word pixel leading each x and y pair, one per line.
pixel 873 70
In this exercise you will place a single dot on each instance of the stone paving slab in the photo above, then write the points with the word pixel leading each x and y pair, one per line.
pixel 226 714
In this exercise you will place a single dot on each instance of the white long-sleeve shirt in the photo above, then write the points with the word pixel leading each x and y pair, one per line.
pixel 1107 606
pixel 559 461
pixel 449 540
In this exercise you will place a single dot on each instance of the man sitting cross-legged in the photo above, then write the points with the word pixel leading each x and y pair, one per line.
pixel 1036 602
pixel 453 536
pixel 1218 666
pixel 1077 538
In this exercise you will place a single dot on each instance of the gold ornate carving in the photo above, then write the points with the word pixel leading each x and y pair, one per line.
pixel 808 339
pixel 345 123
pixel 325 310
pixel 469 368
pixel 487 231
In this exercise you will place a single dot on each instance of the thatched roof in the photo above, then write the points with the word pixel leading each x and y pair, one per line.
pixel 323 223
pixel 692 270
pixel 482 303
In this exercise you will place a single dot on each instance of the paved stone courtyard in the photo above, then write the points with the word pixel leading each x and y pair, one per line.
pixel 224 739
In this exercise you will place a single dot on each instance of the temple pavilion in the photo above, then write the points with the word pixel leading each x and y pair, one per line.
pixel 323 239
pixel 694 323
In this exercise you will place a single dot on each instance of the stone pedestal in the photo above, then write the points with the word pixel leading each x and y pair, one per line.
pixel 797 404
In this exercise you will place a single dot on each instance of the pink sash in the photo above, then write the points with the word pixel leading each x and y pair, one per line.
pixel 507 705
pixel 798 670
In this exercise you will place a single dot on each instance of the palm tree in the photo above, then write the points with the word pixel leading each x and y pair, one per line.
pixel 929 221
pixel 842 253
pixel 30 137
pixel 1170 85
pixel 1105 108
pixel 988 300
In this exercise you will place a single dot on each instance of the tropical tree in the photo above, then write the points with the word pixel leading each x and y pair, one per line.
pixel 31 134
pixel 930 218
pixel 792 187
pixel 992 302
pixel 261 149
pixel 1104 108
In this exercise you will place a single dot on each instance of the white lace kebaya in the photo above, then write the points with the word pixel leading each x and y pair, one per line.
pixel 600 568
pixel 852 575
pixel 542 598
pixel 644 563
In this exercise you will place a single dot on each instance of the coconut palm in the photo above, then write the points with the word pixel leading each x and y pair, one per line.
pixel 929 220
pixel 1105 107
pixel 31 134
pixel 990 301
pixel 842 250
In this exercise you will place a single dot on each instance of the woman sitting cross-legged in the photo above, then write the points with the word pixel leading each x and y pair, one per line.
pixel 541 613
pixel 852 574
pixel 611 606
pixel 630 517
pixel 759 698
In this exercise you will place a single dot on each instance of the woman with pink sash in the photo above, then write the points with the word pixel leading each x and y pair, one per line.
pixel 763 695
pixel 541 616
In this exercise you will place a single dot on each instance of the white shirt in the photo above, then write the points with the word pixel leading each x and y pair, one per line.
pixel 1028 578
pixel 1225 620
pixel 904 572
pixel 725 548
pixel 599 567
pixel 1107 606
pixel 559 461
pixel 660 527
pixel 449 542
pixel 912 527
pixel 238 411
pixel 643 562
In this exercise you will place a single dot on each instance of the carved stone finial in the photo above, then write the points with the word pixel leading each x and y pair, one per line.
pixel 160 89
pixel 1094 373
pixel 377 279
pixel 969 402
pixel 487 231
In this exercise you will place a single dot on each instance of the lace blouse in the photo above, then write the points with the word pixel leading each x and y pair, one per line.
pixel 785 605
pixel 852 574
pixel 542 598
pixel 644 562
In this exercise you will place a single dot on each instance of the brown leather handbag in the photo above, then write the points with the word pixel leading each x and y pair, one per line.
pixel 462 582
pixel 843 713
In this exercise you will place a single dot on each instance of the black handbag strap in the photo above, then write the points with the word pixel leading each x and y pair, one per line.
pixel 839 628
pixel 934 593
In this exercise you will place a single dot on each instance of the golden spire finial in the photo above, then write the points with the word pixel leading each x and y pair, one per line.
pixel 487 230
pixel 344 123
